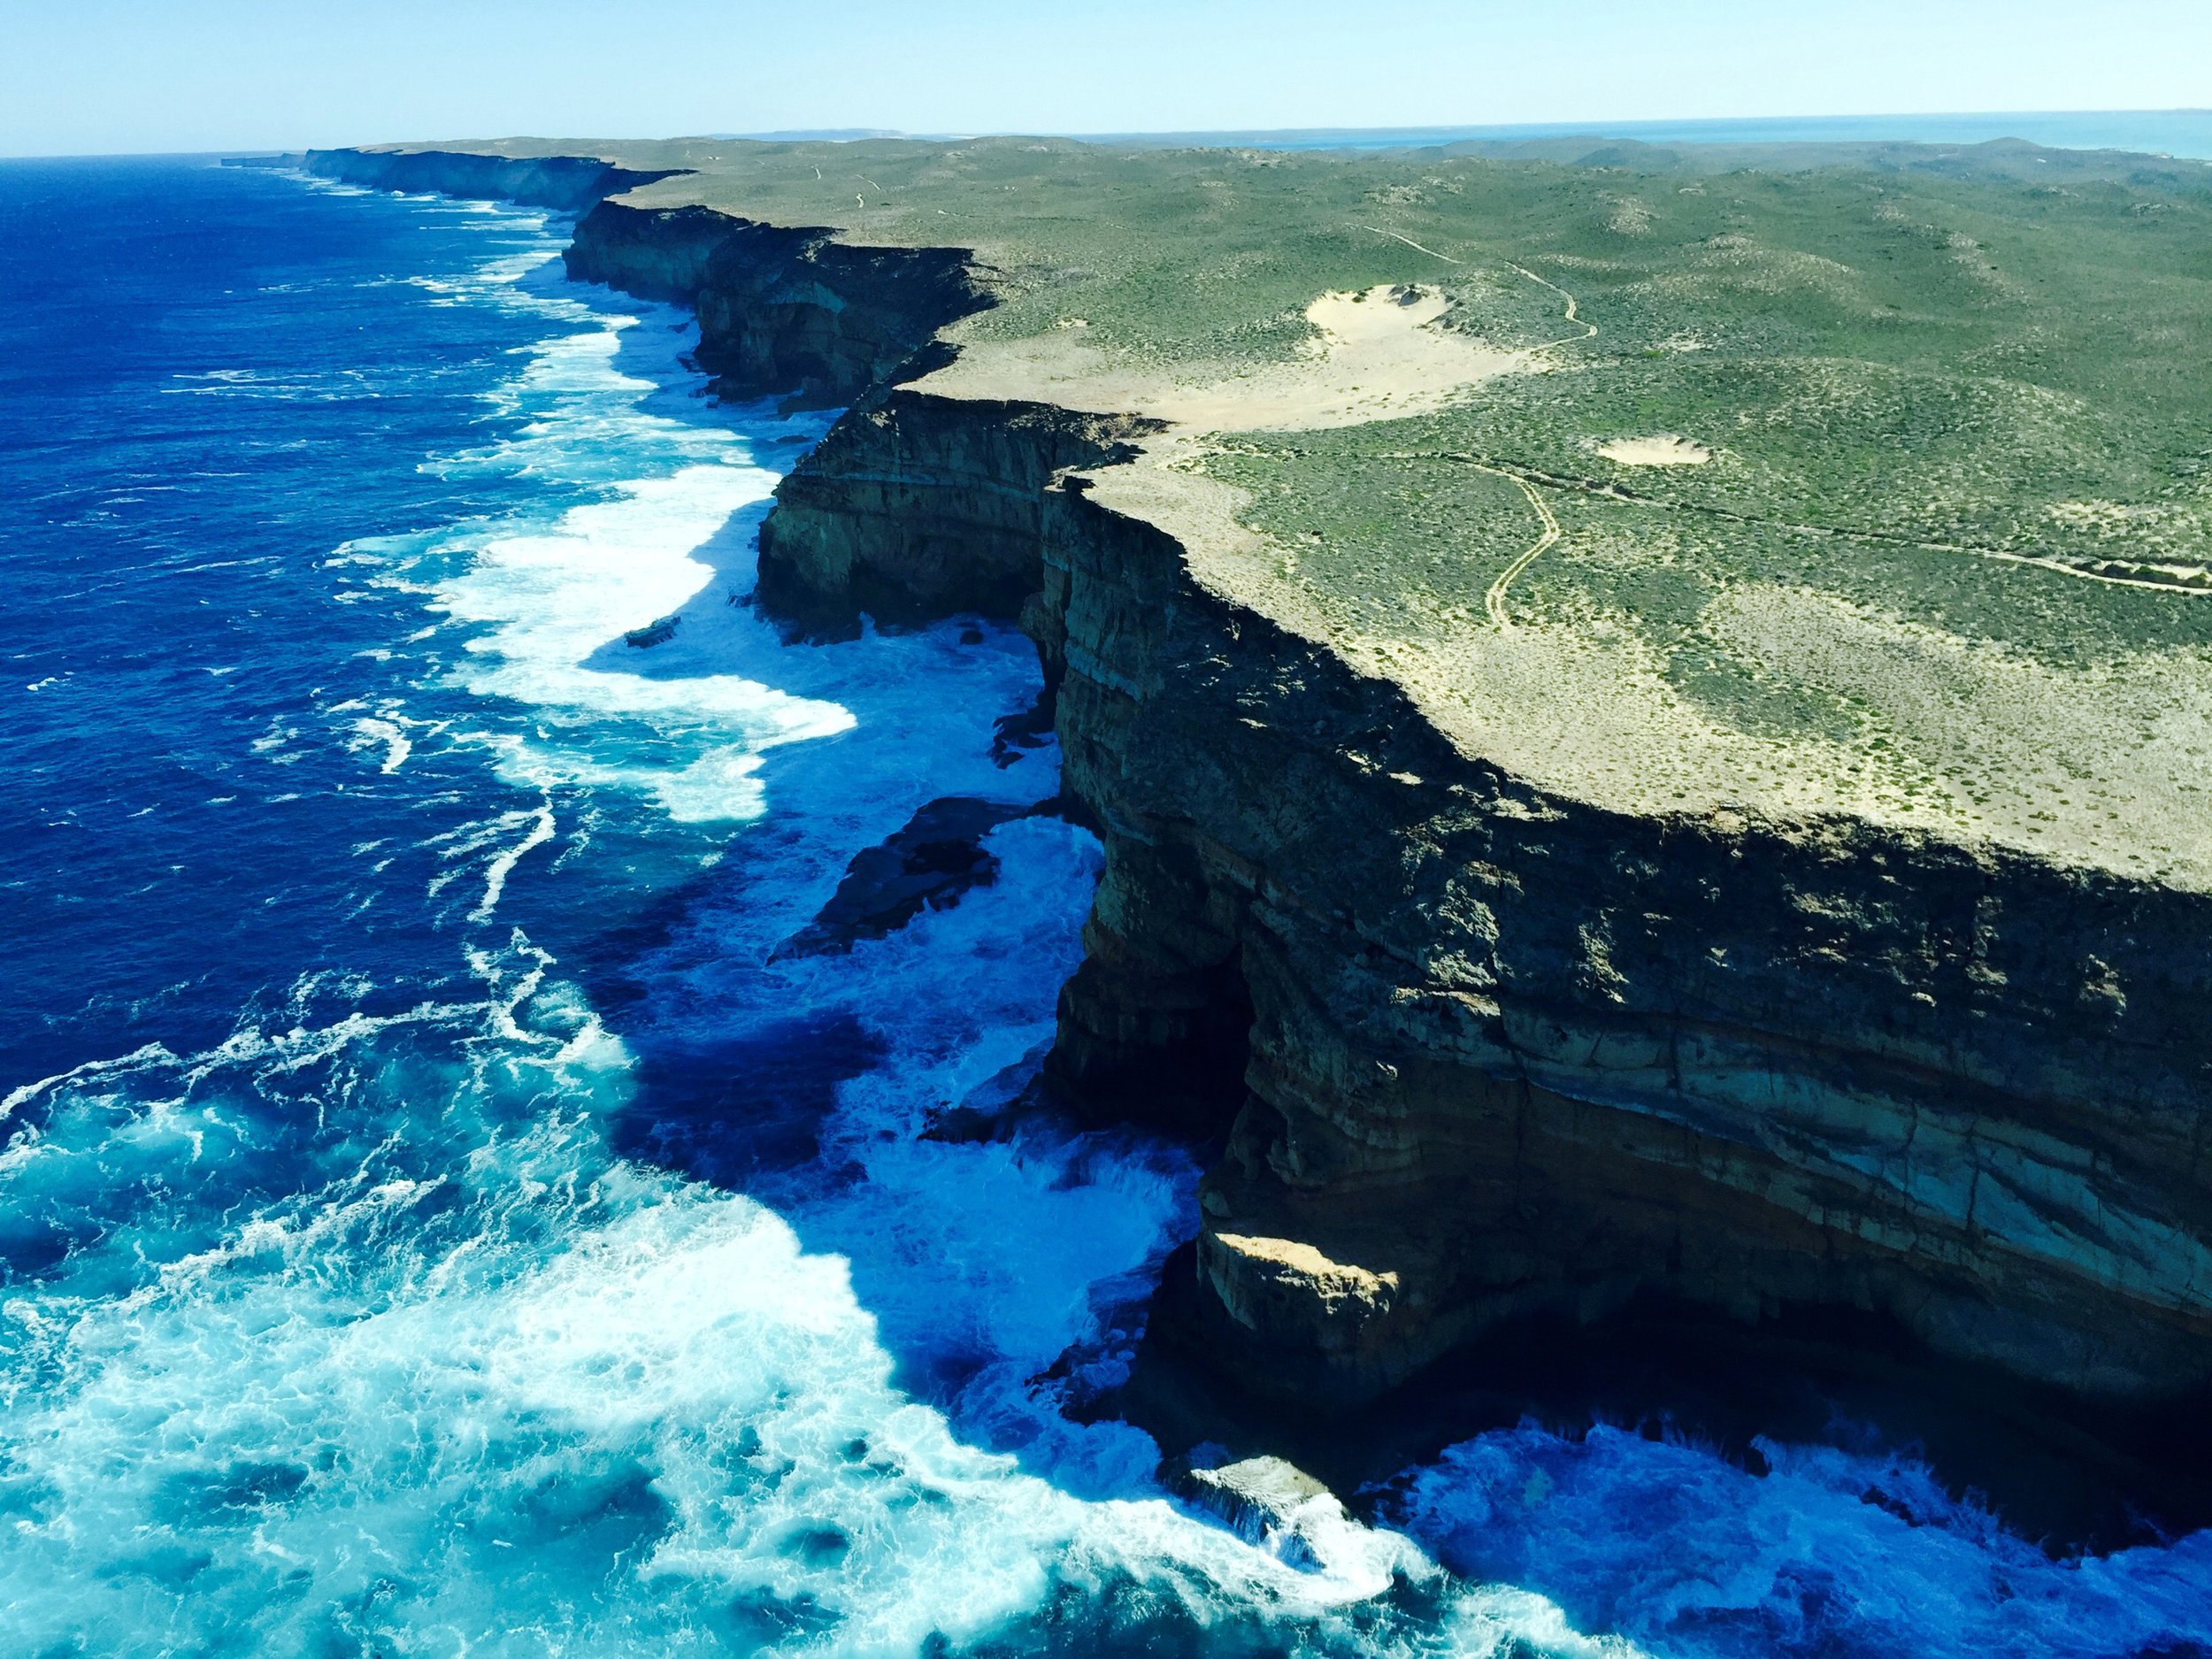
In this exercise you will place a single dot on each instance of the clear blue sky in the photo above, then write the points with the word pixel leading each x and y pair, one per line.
pixel 91 76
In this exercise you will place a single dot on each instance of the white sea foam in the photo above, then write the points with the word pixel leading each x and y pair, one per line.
pixel 558 598
pixel 548 602
pixel 504 861
pixel 396 744
pixel 386 1405
pixel 1803 1558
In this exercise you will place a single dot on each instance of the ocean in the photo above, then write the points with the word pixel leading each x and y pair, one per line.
pixel 437 1218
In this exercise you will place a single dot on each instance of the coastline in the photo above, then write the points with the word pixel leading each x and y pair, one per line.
pixel 1598 1074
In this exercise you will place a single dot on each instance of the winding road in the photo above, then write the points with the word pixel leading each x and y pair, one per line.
pixel 1493 600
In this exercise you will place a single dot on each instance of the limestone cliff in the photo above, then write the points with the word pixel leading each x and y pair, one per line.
pixel 1482 1050
pixel 916 507
pixel 1510 1053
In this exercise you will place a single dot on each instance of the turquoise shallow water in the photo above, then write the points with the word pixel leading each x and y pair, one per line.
pixel 435 1220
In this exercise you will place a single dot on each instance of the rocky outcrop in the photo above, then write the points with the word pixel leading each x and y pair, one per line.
pixel 928 864
pixel 569 184
pixel 1478 1050
pixel 1279 1508
pixel 1276 1505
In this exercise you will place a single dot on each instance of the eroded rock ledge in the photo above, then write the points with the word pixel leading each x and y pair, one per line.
pixel 1480 1049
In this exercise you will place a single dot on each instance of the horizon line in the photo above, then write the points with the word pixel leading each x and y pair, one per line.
pixel 1596 127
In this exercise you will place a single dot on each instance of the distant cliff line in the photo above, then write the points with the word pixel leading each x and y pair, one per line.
pixel 568 184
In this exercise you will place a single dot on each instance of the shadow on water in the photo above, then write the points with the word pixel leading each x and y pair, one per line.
pixel 746 1115
pixel 751 1109
pixel 728 553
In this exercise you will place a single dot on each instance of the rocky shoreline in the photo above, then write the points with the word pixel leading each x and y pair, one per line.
pixel 1478 1053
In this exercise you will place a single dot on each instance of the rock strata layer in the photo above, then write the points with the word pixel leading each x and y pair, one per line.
pixel 1479 1049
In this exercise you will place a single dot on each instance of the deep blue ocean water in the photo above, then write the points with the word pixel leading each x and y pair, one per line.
pixel 433 1222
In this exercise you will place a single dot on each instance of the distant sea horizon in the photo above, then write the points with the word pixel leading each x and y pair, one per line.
pixel 2180 133
pixel 2186 132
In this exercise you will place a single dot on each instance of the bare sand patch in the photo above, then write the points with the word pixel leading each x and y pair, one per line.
pixel 1664 451
pixel 1374 355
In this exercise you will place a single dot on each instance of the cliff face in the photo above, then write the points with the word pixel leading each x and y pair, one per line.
pixel 1510 1054
pixel 1482 1050
pixel 781 311
pixel 916 507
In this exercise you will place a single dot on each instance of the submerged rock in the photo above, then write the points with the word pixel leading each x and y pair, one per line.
pixel 928 864
pixel 1274 1504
